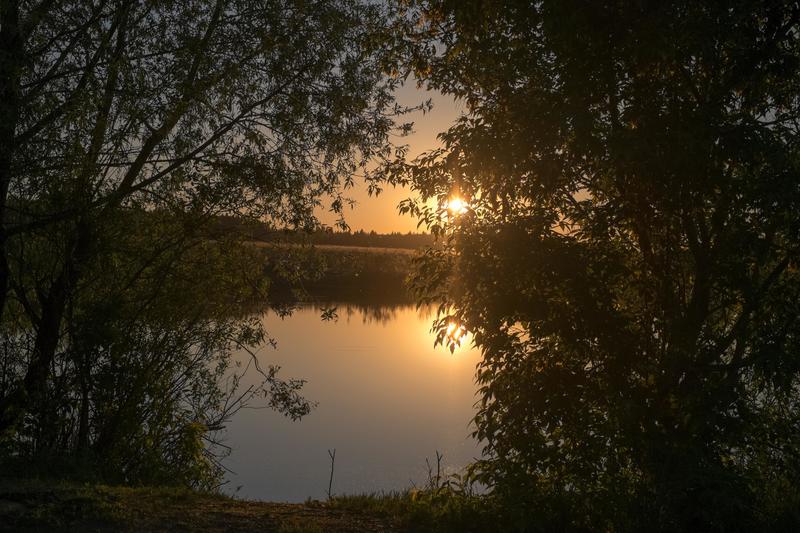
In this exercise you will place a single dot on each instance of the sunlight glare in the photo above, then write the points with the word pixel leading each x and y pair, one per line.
pixel 456 206
pixel 456 332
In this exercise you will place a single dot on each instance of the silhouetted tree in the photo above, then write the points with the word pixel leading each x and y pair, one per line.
pixel 124 127
pixel 628 260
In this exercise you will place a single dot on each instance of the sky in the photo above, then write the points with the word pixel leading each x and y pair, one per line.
pixel 380 213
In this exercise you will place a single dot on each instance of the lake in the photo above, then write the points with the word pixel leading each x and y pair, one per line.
pixel 387 400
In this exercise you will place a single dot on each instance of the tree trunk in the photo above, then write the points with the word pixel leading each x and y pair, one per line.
pixel 48 333
pixel 11 55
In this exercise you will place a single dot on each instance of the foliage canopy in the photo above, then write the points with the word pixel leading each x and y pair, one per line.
pixel 628 261
pixel 125 127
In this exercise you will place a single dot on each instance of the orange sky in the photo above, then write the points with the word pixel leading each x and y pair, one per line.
pixel 380 213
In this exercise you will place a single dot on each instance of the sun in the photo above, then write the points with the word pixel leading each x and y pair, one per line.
pixel 457 206
pixel 456 332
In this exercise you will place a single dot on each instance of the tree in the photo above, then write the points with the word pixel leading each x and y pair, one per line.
pixel 628 257
pixel 123 121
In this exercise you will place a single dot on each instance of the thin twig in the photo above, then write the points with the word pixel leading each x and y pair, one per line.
pixel 332 455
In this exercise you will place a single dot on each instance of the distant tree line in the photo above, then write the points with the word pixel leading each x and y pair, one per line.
pixel 338 276
pixel 412 241
pixel 260 231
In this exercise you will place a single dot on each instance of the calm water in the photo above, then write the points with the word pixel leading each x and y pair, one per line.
pixel 387 400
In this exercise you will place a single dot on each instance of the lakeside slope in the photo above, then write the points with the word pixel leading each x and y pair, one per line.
pixel 40 506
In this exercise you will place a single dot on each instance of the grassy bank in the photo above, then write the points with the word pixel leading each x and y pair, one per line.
pixel 338 274
pixel 443 511
pixel 28 506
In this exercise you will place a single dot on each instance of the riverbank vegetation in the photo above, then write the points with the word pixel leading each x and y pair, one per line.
pixel 621 236
pixel 338 274
pixel 615 215
pixel 58 506
pixel 52 504
pixel 126 129
pixel 259 231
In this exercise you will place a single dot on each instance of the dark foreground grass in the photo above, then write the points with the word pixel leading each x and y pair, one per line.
pixel 440 510
pixel 28 506
pixel 37 505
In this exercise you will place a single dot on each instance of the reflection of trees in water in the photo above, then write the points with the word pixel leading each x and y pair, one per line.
pixel 371 300
pixel 368 313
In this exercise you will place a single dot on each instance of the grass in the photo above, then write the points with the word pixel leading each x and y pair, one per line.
pixel 28 506
pixel 441 510
pixel 294 527
pixel 446 504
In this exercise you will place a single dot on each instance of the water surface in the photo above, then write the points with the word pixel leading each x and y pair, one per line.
pixel 387 400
